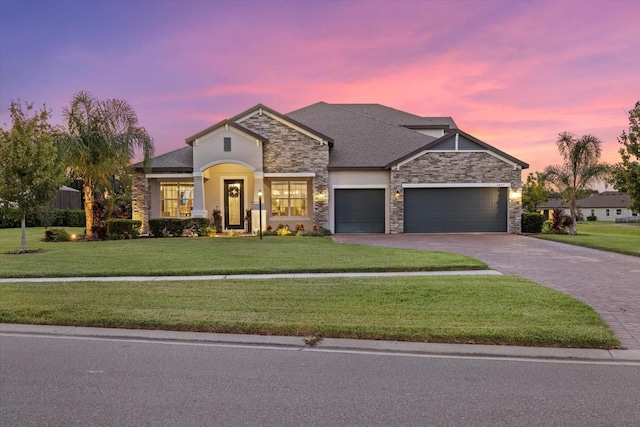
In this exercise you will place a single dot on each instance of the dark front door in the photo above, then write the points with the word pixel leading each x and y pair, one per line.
pixel 233 204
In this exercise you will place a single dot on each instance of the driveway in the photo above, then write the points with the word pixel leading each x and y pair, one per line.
pixel 608 282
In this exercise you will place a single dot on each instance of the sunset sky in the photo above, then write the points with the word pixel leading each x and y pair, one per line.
pixel 512 73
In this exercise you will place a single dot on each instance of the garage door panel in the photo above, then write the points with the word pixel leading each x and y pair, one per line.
pixel 359 210
pixel 455 210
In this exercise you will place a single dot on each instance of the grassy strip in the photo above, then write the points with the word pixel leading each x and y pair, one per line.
pixel 454 309
pixel 619 238
pixel 194 256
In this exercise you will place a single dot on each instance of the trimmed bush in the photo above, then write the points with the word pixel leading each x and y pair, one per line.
pixel 592 218
pixel 175 227
pixel 56 235
pixel 532 222
pixel 123 228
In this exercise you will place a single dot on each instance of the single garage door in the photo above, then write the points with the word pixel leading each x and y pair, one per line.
pixel 359 211
pixel 455 210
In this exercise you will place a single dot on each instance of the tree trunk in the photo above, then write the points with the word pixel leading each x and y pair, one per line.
pixel 88 210
pixel 572 229
pixel 23 225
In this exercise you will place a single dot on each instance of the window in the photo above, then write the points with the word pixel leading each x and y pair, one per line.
pixel 618 212
pixel 607 212
pixel 289 198
pixel 593 212
pixel 227 143
pixel 176 199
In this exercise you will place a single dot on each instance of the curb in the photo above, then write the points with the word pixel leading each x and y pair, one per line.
pixel 250 276
pixel 334 344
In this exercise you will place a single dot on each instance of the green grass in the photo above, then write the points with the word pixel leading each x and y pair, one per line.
pixel 620 238
pixel 201 255
pixel 454 309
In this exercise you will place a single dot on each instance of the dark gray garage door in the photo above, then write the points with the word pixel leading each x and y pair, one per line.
pixel 359 211
pixel 455 210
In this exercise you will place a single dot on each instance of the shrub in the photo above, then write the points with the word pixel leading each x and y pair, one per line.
pixel 68 218
pixel 123 228
pixel 175 227
pixel 592 218
pixel 283 230
pixel 532 222
pixel 56 235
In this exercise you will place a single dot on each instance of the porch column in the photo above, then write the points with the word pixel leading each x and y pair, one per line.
pixel 198 197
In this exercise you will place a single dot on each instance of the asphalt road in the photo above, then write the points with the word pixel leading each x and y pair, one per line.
pixel 61 380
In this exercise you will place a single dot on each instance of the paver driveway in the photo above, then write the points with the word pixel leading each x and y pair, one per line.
pixel 608 282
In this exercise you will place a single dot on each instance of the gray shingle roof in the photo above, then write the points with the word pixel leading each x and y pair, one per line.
pixel 606 199
pixel 399 118
pixel 180 160
pixel 361 141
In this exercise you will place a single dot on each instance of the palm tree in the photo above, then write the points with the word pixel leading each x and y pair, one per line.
pixel 101 141
pixel 580 168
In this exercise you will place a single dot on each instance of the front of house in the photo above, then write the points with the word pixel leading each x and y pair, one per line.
pixel 351 168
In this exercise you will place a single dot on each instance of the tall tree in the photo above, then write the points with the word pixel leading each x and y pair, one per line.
pixel 580 168
pixel 30 171
pixel 534 192
pixel 626 174
pixel 101 141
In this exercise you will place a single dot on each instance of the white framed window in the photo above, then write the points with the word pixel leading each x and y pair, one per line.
pixel 618 212
pixel 289 198
pixel 607 212
pixel 176 199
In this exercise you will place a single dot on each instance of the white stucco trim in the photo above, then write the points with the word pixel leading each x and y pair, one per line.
pixel 169 175
pixel 456 185
pixel 218 162
pixel 412 158
pixel 290 175
pixel 357 186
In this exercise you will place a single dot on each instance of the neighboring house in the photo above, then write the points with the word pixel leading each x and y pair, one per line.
pixel 552 203
pixel 605 206
pixel 362 168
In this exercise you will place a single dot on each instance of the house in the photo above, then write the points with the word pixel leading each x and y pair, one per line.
pixel 351 168
pixel 605 206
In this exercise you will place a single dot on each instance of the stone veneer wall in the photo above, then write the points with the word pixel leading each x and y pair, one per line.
pixel 454 167
pixel 290 151
pixel 141 201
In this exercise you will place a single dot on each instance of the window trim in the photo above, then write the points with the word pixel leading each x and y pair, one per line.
pixel 183 187
pixel 305 199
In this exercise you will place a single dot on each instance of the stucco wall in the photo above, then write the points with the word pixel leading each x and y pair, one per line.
pixel 454 167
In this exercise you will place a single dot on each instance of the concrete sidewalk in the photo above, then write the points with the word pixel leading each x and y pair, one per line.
pixel 332 344
pixel 249 276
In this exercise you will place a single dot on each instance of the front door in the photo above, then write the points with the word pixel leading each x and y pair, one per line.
pixel 233 204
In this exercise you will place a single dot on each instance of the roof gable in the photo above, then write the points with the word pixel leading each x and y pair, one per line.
pixel 226 124
pixel 459 141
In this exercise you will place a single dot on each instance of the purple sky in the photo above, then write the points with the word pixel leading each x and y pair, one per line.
pixel 512 73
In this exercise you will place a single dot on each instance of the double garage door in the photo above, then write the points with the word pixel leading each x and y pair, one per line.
pixel 426 210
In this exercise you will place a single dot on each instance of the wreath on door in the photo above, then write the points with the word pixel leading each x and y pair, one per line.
pixel 234 191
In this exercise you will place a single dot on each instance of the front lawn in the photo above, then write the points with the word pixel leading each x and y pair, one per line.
pixel 454 309
pixel 217 255
pixel 620 238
